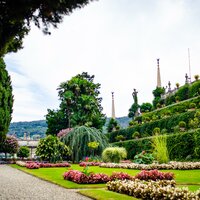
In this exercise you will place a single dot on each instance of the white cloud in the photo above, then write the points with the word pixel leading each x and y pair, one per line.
pixel 118 42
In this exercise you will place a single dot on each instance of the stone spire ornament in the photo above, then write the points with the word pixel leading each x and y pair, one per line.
pixel 113 106
pixel 158 74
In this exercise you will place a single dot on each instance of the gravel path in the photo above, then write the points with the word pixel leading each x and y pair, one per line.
pixel 17 185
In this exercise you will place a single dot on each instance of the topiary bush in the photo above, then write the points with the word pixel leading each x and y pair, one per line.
pixel 114 154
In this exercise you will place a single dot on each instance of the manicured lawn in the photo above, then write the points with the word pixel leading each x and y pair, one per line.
pixel 189 178
pixel 102 194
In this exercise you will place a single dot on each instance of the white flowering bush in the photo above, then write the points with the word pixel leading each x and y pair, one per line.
pixel 21 163
pixel 170 165
pixel 155 190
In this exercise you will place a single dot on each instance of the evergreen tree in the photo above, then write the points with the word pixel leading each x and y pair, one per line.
pixel 113 125
pixel 6 101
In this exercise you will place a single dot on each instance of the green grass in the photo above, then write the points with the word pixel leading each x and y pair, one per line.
pixel 184 178
pixel 102 194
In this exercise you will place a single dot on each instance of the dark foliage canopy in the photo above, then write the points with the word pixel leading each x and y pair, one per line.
pixel 80 105
pixel 16 16
pixel 6 100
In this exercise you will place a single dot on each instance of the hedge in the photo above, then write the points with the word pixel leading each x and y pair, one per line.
pixel 146 129
pixel 180 145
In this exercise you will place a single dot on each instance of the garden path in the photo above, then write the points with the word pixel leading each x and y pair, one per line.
pixel 17 185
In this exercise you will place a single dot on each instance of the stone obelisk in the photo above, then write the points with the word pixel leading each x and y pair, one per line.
pixel 113 106
pixel 158 74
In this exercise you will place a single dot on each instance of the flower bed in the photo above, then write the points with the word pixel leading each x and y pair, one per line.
pixel 83 164
pixel 32 165
pixel 79 177
pixel 152 190
pixel 154 175
pixel 171 165
pixel 21 163
pixel 120 176
pixel 54 165
pixel 37 165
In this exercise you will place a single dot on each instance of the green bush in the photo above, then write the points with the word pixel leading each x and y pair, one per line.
pixel 192 105
pixel 182 124
pixel 160 150
pixel 51 149
pixel 143 158
pixel 179 145
pixel 183 92
pixel 156 131
pixel 23 152
pixel 194 89
pixel 136 135
pixel 120 138
pixel 114 154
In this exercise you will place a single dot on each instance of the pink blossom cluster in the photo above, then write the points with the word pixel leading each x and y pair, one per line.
pixel 64 132
pixel 120 176
pixel 125 161
pixel 84 164
pixel 36 165
pixel 54 164
pixel 32 165
pixel 154 175
pixel 79 177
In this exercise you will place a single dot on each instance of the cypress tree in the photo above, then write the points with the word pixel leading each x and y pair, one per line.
pixel 6 101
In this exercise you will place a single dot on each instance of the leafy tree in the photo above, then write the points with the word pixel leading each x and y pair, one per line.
pixel 158 92
pixel 6 100
pixel 52 149
pixel 146 107
pixel 16 17
pixel 133 110
pixel 79 137
pixel 112 125
pixel 9 145
pixel 80 105
pixel 56 121
pixel 23 152
pixel 183 92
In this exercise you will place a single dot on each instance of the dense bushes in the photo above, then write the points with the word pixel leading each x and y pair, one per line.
pixel 180 145
pixel 114 154
pixel 155 190
pixel 146 129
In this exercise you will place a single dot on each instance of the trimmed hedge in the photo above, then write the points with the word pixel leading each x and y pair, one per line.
pixel 180 145
pixel 146 129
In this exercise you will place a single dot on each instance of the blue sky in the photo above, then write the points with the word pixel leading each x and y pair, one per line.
pixel 118 42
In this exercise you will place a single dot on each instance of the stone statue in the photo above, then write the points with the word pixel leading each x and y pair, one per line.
pixel 134 94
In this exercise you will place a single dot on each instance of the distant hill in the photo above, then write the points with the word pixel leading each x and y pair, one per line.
pixel 33 127
pixel 38 128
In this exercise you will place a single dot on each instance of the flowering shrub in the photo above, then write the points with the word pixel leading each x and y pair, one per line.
pixel 120 176
pixel 125 161
pixel 64 132
pixel 21 163
pixel 171 165
pixel 83 164
pixel 54 164
pixel 154 175
pixel 79 177
pixel 32 165
pixel 154 190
